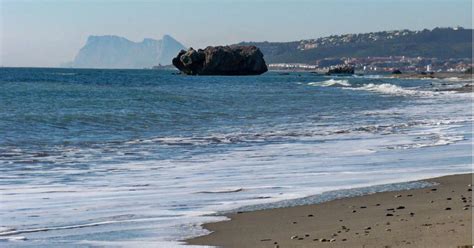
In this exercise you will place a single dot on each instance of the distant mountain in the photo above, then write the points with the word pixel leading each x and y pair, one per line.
pixel 109 51
pixel 437 43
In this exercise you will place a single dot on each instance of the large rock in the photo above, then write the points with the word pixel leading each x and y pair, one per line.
pixel 221 60
pixel 341 70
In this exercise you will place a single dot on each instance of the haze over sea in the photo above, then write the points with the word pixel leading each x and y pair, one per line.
pixel 142 157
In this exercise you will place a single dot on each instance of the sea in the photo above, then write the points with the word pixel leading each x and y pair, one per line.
pixel 141 158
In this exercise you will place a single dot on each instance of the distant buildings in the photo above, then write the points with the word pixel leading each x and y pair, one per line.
pixel 383 64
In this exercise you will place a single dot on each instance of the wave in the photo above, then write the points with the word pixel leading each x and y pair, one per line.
pixel 12 231
pixel 370 76
pixel 390 89
pixel 332 83
pixel 268 136
pixel 457 79
pixel 139 147
pixel 63 73
pixel 234 190
pixel 13 238
pixel 437 140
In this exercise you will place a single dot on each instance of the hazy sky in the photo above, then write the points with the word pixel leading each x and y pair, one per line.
pixel 47 33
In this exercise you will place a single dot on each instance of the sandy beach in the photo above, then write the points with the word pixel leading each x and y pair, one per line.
pixel 437 216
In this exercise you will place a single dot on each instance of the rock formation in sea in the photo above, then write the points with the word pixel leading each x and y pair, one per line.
pixel 341 70
pixel 109 51
pixel 221 60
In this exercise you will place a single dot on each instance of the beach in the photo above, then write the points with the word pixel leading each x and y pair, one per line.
pixel 436 216
pixel 165 154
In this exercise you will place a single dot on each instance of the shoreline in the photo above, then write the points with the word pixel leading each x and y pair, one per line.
pixel 433 216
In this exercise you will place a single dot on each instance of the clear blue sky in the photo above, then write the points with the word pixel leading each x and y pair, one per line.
pixel 47 33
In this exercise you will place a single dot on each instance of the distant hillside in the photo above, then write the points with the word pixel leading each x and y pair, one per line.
pixel 111 51
pixel 436 43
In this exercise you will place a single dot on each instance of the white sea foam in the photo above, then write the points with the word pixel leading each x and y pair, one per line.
pixel 332 83
pixel 63 73
pixel 13 238
pixel 435 140
pixel 390 89
pixel 371 76
pixel 457 79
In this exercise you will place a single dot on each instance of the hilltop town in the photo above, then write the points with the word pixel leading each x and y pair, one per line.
pixel 439 49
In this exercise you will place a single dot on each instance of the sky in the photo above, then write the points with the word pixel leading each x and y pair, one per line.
pixel 46 33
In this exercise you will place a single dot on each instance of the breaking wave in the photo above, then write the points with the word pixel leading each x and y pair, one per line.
pixel 434 140
pixel 390 89
pixel 331 83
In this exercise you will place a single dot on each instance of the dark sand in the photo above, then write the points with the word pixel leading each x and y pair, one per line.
pixel 438 216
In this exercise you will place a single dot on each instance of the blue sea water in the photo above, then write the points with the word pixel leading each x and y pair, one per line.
pixel 142 157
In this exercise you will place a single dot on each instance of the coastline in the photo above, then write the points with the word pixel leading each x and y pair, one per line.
pixel 436 75
pixel 436 216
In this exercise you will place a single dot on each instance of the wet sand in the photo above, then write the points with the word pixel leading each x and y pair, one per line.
pixel 438 216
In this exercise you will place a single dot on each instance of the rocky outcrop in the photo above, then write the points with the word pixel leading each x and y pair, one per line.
pixel 221 60
pixel 341 70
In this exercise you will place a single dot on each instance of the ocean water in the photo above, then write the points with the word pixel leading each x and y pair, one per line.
pixel 140 158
